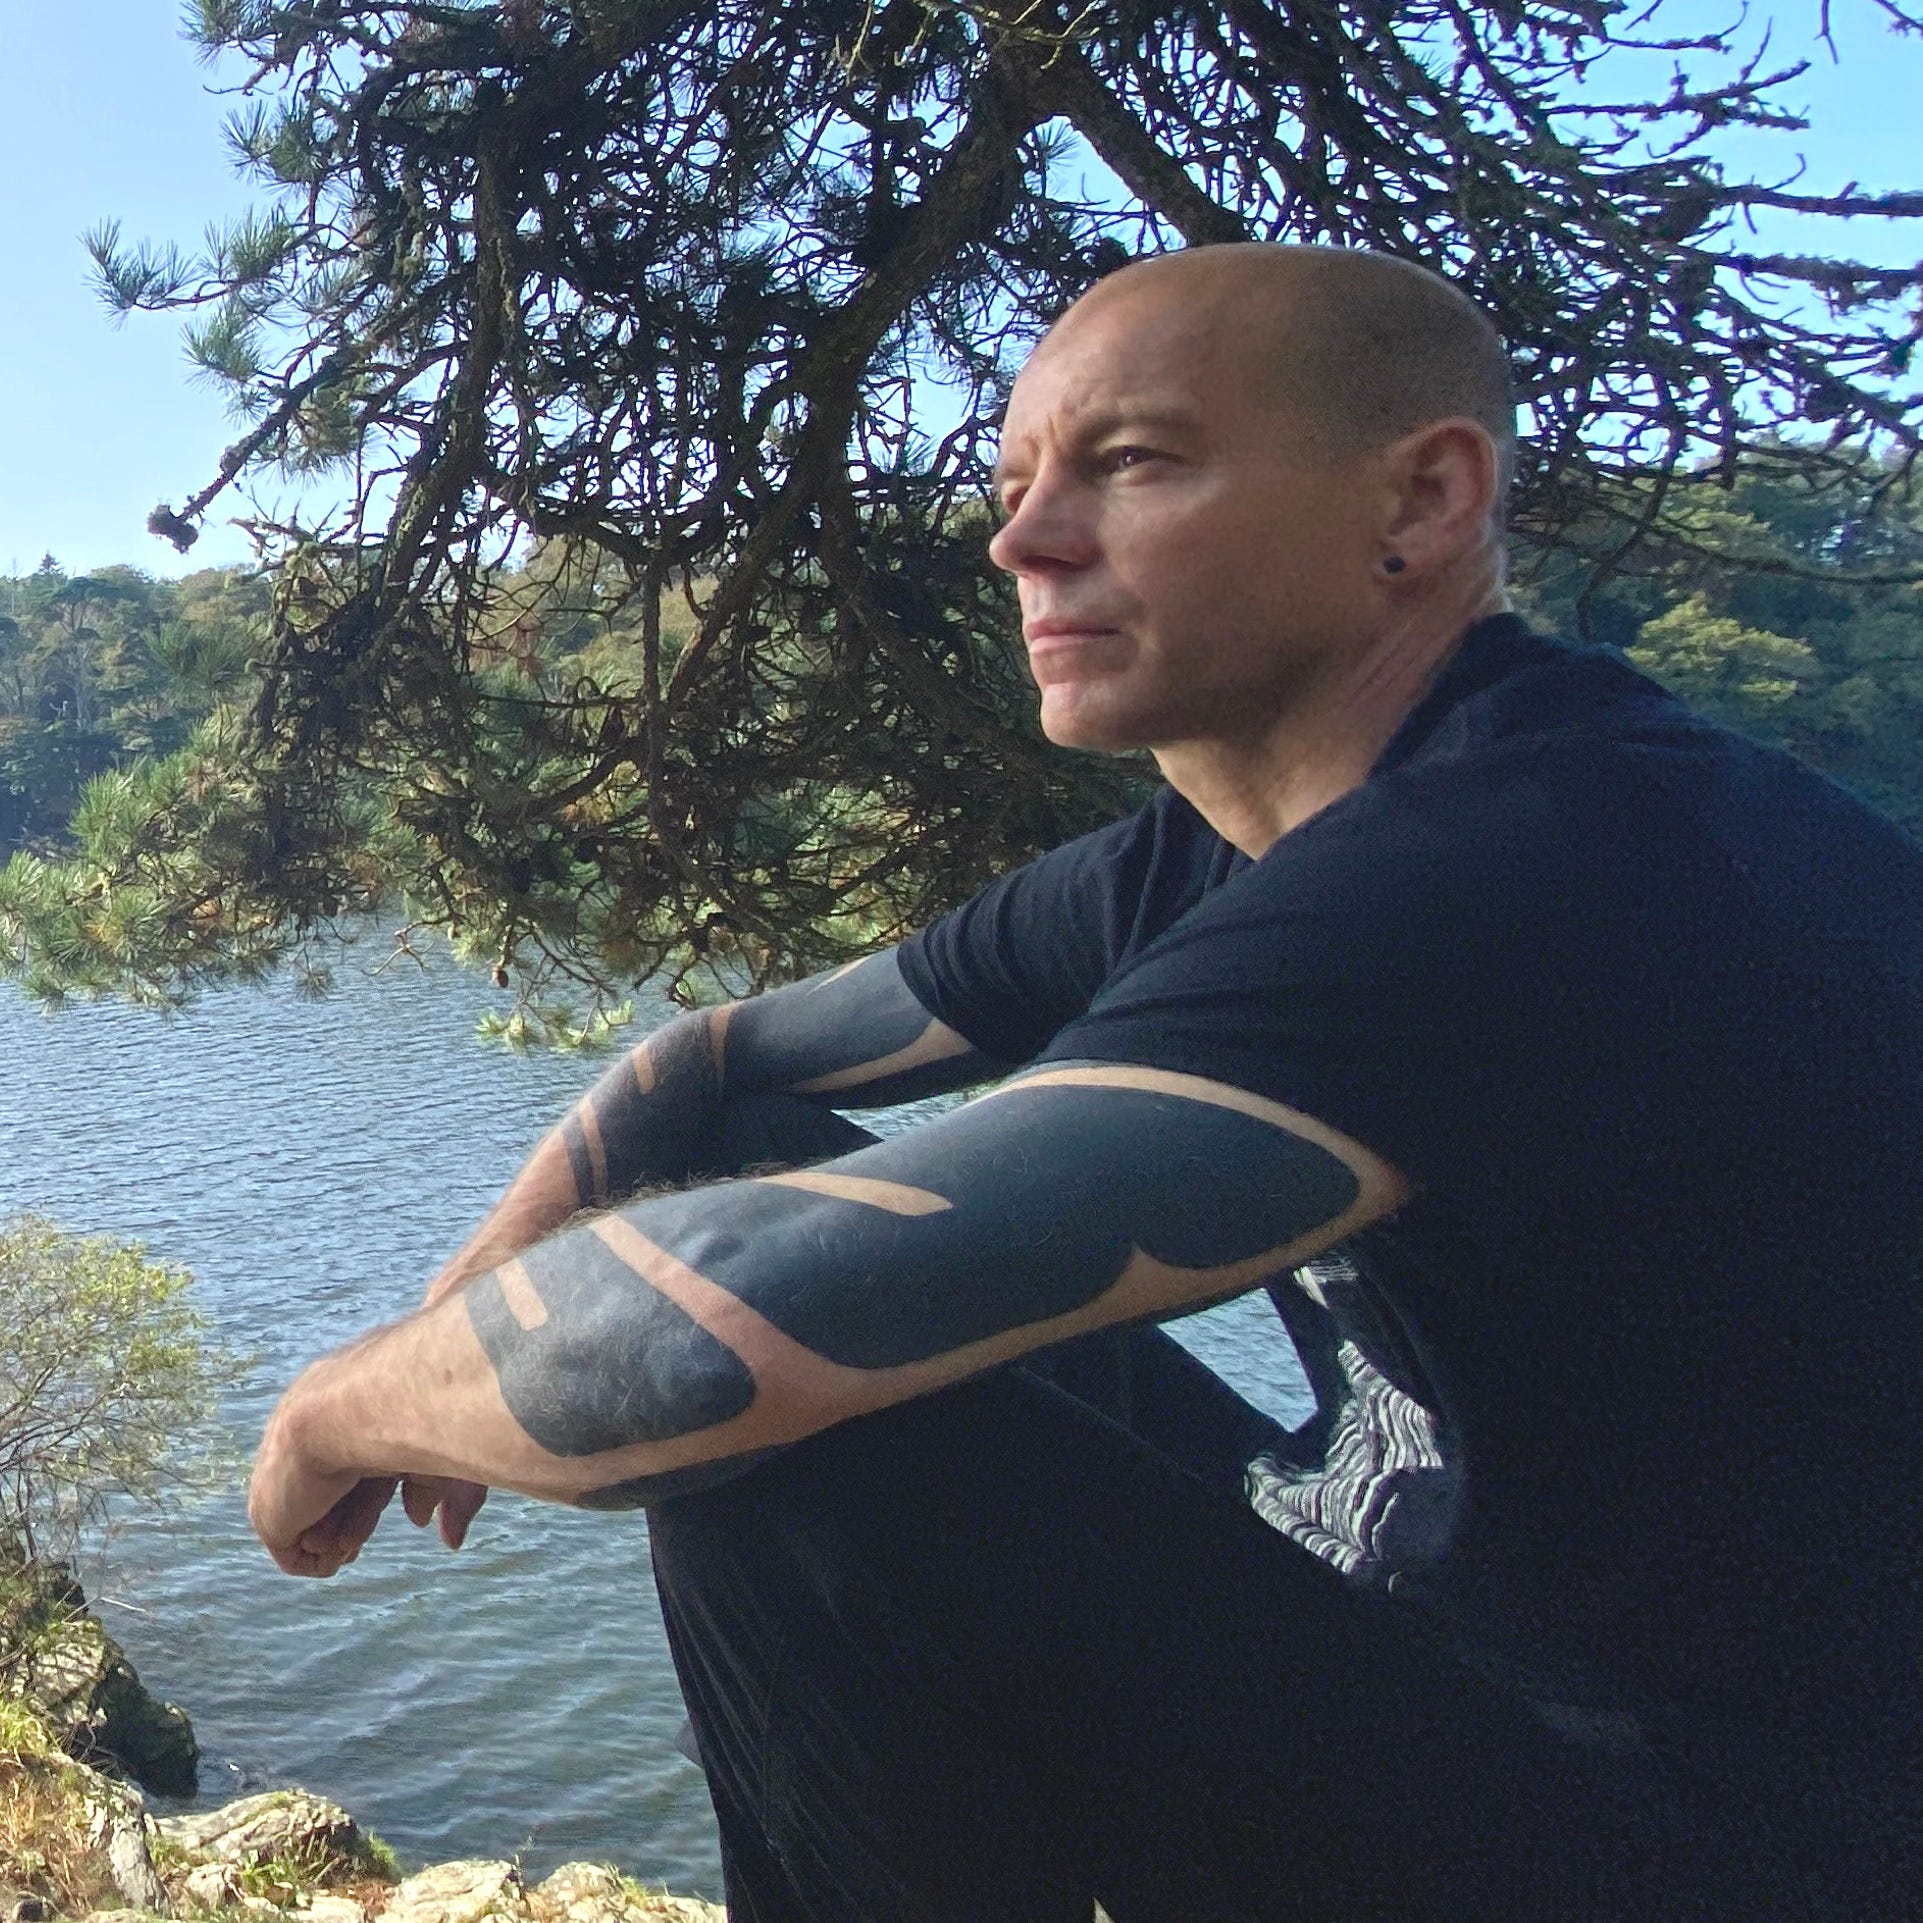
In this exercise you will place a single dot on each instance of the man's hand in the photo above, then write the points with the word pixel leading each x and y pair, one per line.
pixel 456 1503
pixel 313 1521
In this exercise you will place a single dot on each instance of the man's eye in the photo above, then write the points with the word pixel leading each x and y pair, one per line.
pixel 1127 456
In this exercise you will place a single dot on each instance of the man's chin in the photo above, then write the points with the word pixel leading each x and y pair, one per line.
pixel 1090 727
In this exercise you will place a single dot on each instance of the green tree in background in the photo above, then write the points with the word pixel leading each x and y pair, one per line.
pixel 1793 612
pixel 98 669
pixel 108 1380
pixel 658 349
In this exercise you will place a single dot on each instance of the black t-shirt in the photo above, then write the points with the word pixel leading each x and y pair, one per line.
pixel 1638 1005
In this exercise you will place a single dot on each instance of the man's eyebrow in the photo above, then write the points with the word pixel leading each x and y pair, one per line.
pixel 1100 425
pixel 1116 420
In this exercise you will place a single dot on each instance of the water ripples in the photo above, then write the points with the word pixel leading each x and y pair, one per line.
pixel 314 1163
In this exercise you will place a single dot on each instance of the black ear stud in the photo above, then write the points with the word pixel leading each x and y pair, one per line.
pixel 1394 564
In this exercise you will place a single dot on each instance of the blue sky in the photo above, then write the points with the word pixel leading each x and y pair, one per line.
pixel 106 113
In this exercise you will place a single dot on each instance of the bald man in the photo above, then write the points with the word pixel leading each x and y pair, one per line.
pixel 1554 1059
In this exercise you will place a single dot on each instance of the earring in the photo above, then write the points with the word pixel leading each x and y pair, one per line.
pixel 1394 564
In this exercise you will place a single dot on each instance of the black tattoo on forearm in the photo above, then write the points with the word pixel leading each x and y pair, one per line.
pixel 856 1037
pixel 856 1028
pixel 1012 1212
pixel 1007 1212
pixel 648 1119
pixel 590 1358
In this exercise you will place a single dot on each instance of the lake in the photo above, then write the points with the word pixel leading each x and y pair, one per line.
pixel 313 1162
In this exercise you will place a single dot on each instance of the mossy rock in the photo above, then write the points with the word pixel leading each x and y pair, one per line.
pixel 596 1893
pixel 307 1840
pixel 65 1667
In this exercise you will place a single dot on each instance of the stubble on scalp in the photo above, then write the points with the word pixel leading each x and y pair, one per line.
pixel 1360 348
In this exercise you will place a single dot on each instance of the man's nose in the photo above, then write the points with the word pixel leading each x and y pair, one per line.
pixel 1049 529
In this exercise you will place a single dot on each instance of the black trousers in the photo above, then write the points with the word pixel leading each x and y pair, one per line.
pixel 1020 1646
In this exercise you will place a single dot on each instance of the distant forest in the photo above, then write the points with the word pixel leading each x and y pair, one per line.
pixel 1814 642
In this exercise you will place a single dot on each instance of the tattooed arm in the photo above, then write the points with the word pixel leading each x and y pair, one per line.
pixel 663 1347
pixel 855 1037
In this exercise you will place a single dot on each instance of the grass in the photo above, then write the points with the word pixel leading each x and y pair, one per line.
pixel 43 1820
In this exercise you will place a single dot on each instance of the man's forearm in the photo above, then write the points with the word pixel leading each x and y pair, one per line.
pixel 690 1333
pixel 853 1037
pixel 648 1120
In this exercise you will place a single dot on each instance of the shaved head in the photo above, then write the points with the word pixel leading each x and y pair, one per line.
pixel 1252 497
pixel 1361 347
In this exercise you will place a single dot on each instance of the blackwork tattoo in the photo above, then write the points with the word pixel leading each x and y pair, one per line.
pixel 1008 1212
pixel 856 1028
pixel 590 1358
pixel 648 1119
pixel 855 1037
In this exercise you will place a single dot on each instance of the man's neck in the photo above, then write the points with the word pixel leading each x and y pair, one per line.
pixel 1253 789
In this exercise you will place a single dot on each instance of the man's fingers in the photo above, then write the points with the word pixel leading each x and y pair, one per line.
pixel 459 1507
pixel 420 1497
pixel 337 1538
pixel 456 1503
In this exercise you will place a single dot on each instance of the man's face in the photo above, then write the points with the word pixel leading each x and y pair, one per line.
pixel 1189 561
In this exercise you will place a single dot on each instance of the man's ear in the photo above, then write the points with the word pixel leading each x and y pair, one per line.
pixel 1444 479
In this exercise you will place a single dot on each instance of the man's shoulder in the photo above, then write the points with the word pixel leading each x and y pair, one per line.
pixel 1575 751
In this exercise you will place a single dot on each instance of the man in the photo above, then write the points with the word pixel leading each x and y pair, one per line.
pixel 1556 1057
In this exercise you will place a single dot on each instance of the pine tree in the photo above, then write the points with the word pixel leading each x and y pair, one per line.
pixel 716 306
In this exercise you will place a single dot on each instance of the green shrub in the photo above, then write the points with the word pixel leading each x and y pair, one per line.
pixel 108 1381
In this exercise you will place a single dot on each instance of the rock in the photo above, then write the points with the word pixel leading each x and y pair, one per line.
pixel 687 1909
pixel 209 1886
pixel 22 1906
pixel 289 1824
pixel 80 1683
pixel 582 1893
pixel 683 1909
pixel 118 1826
pixel 464 1892
pixel 594 1893
pixel 327 1908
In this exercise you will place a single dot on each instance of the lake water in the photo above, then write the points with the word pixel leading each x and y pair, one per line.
pixel 313 1163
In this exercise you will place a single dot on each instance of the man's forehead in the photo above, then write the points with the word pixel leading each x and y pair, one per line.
pixel 1144 369
pixel 1086 408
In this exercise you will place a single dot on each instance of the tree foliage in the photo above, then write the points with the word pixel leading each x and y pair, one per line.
pixel 1792 613
pixel 657 350
pixel 107 1383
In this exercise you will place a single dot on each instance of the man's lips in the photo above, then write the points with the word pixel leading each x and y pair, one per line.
pixel 1064 650
pixel 1055 631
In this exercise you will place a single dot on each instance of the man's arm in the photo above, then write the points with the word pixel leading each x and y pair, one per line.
pixel 855 1037
pixel 673 1343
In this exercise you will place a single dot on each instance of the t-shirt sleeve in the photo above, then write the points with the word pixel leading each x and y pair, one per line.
pixel 1030 953
pixel 1414 968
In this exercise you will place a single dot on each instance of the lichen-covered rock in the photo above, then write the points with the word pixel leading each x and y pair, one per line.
pixel 594 1893
pixel 464 1892
pixel 581 1893
pixel 289 1826
pixel 119 1827
pixel 683 1909
pixel 77 1679
pixel 330 1908
pixel 209 1886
